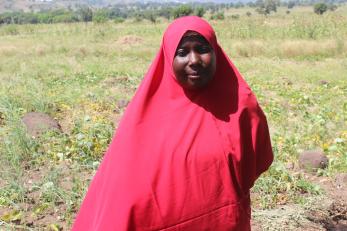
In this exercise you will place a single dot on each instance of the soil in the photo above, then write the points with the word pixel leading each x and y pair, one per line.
pixel 329 212
pixel 37 214
pixel 130 40
pixel 37 123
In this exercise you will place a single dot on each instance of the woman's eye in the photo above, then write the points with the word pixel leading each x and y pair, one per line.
pixel 181 52
pixel 204 49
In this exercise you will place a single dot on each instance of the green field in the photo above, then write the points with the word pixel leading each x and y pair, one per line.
pixel 295 63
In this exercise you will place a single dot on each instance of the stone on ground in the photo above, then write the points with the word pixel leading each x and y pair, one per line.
pixel 313 160
pixel 38 123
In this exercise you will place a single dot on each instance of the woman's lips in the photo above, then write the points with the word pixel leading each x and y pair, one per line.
pixel 194 76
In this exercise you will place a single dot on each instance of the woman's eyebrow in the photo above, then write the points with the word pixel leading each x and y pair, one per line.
pixel 199 38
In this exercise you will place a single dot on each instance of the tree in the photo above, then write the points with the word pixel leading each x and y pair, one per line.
pixel 165 12
pixel 85 14
pixel 266 6
pixel 183 10
pixel 320 8
pixel 150 15
pixel 200 11
pixel 291 4
pixel 218 16
pixel 332 7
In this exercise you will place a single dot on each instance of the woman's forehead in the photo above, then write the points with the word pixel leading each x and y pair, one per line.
pixel 191 33
pixel 193 36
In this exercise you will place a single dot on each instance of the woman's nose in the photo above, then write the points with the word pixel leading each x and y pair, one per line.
pixel 194 58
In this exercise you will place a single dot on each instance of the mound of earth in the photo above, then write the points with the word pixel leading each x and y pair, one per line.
pixel 130 40
pixel 313 160
pixel 38 123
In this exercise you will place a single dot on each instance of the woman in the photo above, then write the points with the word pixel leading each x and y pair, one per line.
pixel 189 147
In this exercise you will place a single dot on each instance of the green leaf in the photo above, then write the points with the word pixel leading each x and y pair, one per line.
pixel 54 227
pixel 12 216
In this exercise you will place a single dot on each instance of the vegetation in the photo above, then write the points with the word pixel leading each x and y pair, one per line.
pixel 218 16
pixel 267 6
pixel 320 8
pixel 153 10
pixel 182 10
pixel 77 72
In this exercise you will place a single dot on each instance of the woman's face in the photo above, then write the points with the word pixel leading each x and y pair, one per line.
pixel 194 64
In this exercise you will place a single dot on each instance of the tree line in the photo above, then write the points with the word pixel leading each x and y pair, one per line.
pixel 151 11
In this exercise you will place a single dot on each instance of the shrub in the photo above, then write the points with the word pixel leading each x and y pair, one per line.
pixel 118 20
pixel 151 16
pixel 235 16
pixel 183 10
pixel 320 8
pixel 100 16
pixel 200 11
pixel 218 16
pixel 267 6
pixel 291 4
pixel 85 14
pixel 332 7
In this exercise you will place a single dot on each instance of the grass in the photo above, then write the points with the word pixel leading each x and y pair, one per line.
pixel 295 63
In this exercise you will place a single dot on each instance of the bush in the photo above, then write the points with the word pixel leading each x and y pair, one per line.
pixel 165 12
pixel 100 16
pixel 218 16
pixel 183 10
pixel 332 7
pixel 291 5
pixel 64 18
pixel 320 8
pixel 30 18
pixel 85 14
pixel 235 16
pixel 200 11
pixel 118 20
pixel 151 16
pixel 267 6
pixel 11 30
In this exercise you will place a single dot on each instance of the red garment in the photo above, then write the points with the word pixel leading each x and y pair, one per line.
pixel 181 160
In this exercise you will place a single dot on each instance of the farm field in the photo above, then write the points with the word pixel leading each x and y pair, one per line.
pixel 83 74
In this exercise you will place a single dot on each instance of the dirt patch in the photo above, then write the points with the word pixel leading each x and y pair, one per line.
pixel 130 40
pixel 45 207
pixel 37 123
pixel 324 212
pixel 285 217
pixel 115 81
pixel 332 219
pixel 332 212
pixel 313 160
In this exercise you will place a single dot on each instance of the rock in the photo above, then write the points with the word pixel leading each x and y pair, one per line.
pixel 38 123
pixel 290 166
pixel 2 119
pixel 313 160
pixel 324 82
pixel 287 81
pixel 341 180
pixel 122 103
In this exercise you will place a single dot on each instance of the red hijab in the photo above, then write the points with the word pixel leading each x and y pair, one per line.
pixel 181 160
